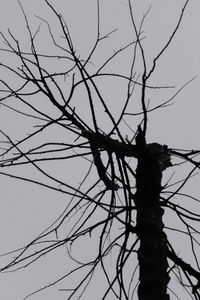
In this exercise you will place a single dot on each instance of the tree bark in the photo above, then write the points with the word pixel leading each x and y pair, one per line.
pixel 152 252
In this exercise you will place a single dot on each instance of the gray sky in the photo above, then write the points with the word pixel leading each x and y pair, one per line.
pixel 28 209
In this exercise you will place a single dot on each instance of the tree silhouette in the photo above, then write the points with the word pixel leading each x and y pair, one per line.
pixel 119 204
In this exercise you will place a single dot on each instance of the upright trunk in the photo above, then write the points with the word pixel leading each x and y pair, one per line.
pixel 152 253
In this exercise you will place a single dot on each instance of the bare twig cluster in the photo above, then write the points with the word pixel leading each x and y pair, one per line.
pixel 105 204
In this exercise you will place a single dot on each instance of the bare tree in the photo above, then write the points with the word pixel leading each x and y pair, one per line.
pixel 120 202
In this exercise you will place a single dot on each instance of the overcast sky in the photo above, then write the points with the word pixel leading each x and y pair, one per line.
pixel 27 209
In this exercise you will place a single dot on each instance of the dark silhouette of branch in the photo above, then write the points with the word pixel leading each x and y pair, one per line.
pixel 122 200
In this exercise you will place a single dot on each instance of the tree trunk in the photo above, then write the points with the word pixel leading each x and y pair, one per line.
pixel 152 253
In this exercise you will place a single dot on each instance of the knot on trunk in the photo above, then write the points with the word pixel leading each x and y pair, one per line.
pixel 159 153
